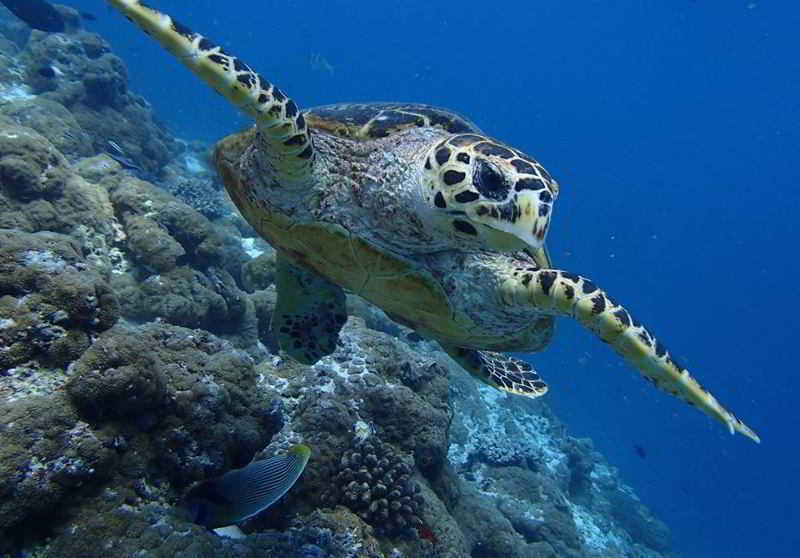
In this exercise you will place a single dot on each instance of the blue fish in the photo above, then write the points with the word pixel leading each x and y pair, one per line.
pixel 243 493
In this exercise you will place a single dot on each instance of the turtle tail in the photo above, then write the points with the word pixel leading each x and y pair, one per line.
pixel 283 132
pixel 566 294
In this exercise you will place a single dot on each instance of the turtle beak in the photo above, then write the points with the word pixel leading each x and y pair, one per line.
pixel 527 216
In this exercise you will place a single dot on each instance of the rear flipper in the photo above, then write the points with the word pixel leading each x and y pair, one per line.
pixel 566 294
pixel 499 370
pixel 309 312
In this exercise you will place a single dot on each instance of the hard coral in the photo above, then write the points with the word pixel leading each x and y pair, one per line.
pixel 374 481
pixel 189 390
pixel 52 299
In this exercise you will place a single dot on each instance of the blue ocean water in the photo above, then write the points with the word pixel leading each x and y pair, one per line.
pixel 673 128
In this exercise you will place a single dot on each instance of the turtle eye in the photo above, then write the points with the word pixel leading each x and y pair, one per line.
pixel 489 181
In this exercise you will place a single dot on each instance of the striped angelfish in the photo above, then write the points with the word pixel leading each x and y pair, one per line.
pixel 243 493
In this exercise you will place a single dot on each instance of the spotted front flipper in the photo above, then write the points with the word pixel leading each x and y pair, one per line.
pixel 309 313
pixel 283 133
pixel 500 371
pixel 566 294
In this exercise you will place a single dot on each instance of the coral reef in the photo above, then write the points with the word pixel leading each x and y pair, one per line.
pixel 89 81
pixel 552 491
pixel 136 357
pixel 190 178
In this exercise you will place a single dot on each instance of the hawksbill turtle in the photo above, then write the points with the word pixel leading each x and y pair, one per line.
pixel 416 210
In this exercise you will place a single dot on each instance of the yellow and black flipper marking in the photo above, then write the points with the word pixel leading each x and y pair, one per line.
pixel 243 493
pixel 283 133
pixel 566 294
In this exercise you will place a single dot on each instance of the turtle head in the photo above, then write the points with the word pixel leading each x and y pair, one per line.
pixel 481 188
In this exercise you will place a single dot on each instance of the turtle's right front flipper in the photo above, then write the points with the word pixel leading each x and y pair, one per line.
pixel 283 133
pixel 566 294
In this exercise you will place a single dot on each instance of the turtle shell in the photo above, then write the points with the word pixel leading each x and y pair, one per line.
pixel 404 289
pixel 364 121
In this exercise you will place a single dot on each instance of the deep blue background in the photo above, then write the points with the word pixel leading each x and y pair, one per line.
pixel 673 130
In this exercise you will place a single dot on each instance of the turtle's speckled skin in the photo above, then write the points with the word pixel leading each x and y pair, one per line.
pixel 433 293
pixel 414 209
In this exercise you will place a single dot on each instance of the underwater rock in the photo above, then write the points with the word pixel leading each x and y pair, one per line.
pixel 47 454
pixel 52 300
pixel 105 81
pixel 264 303
pixel 488 534
pixel 204 244
pixel 188 389
pixel 629 512
pixel 74 207
pixel 581 465
pixel 407 400
pixel 337 399
pixel 98 169
pixel 127 525
pixel 522 520
pixel 131 125
pixel 81 59
pixel 53 121
pixel 544 504
pixel 407 421
pixel 187 297
pixel 259 273
pixel 190 178
pixel 30 167
pixel 150 245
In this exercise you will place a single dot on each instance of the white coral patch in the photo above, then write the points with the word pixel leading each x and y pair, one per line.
pixel 597 538
pixel 45 260
pixel 249 246
pixel 194 165
pixel 13 92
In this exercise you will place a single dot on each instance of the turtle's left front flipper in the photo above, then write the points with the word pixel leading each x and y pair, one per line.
pixel 566 294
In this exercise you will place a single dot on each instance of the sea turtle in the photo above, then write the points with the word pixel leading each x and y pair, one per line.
pixel 416 210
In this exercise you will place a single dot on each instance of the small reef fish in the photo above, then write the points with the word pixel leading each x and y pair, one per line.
pixel 38 14
pixel 243 493
pixel 118 154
